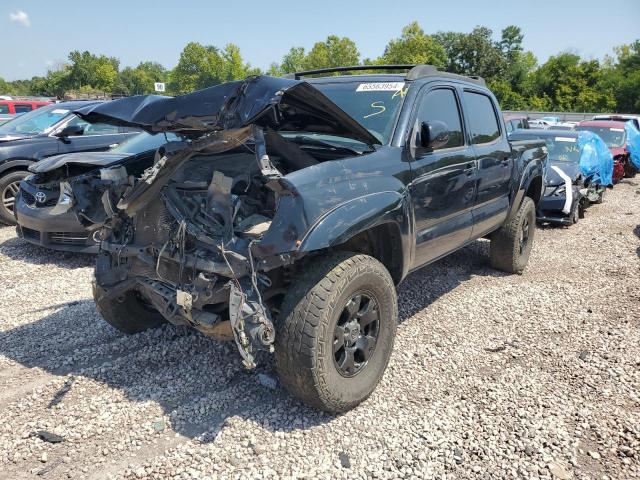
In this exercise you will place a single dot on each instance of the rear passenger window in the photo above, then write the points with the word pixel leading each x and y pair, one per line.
pixel 4 108
pixel 441 105
pixel 483 123
pixel 22 108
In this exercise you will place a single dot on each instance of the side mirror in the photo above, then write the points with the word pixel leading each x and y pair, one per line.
pixel 70 131
pixel 434 135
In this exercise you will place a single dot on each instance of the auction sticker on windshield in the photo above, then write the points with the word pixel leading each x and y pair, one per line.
pixel 566 139
pixel 380 87
pixel 59 111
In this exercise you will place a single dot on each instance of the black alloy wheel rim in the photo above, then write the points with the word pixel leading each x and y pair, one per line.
pixel 356 334
pixel 524 235
pixel 9 195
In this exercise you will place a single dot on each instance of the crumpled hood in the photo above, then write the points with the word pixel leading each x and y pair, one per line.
pixel 90 159
pixel 572 170
pixel 278 103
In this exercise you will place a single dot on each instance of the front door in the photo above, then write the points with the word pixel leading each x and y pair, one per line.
pixel 443 180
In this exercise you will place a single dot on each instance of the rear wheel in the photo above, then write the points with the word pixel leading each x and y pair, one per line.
pixel 336 331
pixel 511 244
pixel 9 188
pixel 129 313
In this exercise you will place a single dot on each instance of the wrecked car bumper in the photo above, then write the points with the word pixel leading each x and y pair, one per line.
pixel 37 225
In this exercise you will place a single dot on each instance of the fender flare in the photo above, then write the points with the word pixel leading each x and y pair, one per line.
pixel 530 173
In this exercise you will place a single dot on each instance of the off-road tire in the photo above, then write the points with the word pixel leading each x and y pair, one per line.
pixel 128 313
pixel 7 216
pixel 305 330
pixel 504 250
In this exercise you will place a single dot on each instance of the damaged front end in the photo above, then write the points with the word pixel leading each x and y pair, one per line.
pixel 208 235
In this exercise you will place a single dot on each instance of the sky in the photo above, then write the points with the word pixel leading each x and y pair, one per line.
pixel 38 34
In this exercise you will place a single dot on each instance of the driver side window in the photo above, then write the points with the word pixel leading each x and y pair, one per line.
pixel 441 105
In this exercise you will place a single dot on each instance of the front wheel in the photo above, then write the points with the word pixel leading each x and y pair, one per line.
pixel 511 244
pixel 9 188
pixel 336 330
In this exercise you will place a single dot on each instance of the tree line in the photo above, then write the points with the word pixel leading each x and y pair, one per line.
pixel 565 82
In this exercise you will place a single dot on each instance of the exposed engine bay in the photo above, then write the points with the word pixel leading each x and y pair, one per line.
pixel 187 249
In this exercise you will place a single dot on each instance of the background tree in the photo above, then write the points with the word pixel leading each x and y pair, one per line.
pixel 564 82
pixel 333 52
pixel 199 67
pixel 414 47
pixel 141 79
pixel 571 84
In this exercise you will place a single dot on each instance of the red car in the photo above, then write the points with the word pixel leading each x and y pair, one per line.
pixel 20 106
pixel 613 134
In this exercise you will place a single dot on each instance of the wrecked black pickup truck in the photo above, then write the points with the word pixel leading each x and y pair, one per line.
pixel 292 208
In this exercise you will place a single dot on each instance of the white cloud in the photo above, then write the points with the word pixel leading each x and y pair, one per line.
pixel 20 17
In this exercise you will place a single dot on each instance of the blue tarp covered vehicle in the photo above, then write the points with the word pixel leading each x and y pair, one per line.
pixel 633 143
pixel 596 161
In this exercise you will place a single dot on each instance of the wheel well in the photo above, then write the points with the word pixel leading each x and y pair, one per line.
pixel 11 166
pixel 534 191
pixel 383 243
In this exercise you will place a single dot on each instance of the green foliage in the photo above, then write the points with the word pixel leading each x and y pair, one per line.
pixel 564 82
pixel 333 52
pixel 204 66
pixel 572 84
pixel 414 47
pixel 141 79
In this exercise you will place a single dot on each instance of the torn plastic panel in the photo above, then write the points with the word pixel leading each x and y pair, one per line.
pixel 633 143
pixel 596 161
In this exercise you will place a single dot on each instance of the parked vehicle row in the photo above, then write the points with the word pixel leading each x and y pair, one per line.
pixel 274 201
pixel 584 159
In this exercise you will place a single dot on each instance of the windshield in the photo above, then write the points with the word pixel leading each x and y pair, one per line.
pixel 144 142
pixel 613 137
pixel 375 105
pixel 563 149
pixel 36 121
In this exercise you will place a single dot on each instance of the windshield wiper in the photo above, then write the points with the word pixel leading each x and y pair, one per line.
pixel 307 140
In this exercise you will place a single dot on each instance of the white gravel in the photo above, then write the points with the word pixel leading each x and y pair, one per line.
pixel 493 376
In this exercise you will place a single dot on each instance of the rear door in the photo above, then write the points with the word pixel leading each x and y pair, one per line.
pixel 443 180
pixel 494 159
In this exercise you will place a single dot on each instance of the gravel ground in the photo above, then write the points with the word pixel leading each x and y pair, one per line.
pixel 493 376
